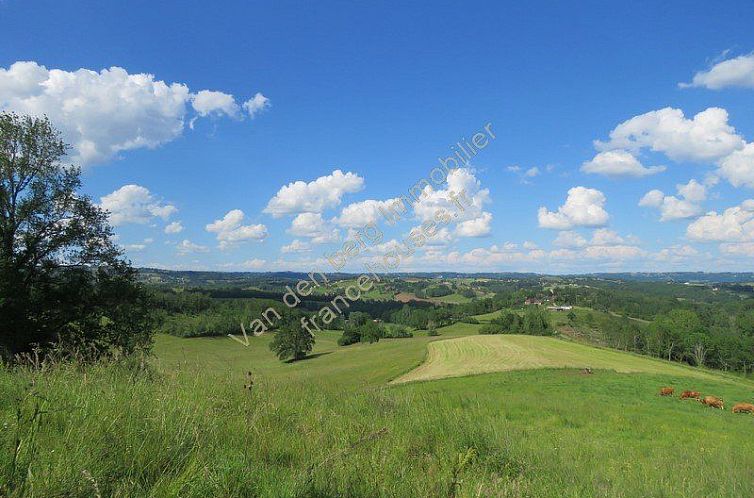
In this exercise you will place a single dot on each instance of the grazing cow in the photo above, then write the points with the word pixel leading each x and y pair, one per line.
pixel 712 402
pixel 666 391
pixel 690 395
pixel 743 408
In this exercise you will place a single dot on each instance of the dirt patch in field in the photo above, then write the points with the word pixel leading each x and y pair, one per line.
pixel 406 297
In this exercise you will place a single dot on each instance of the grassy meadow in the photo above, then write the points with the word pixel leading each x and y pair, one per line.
pixel 333 425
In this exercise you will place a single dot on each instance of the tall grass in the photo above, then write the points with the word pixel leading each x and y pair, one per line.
pixel 116 430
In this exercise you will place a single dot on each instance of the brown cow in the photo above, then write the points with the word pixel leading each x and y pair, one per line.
pixel 690 395
pixel 743 408
pixel 712 402
pixel 666 391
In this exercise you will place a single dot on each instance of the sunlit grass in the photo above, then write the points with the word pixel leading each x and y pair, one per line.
pixel 333 426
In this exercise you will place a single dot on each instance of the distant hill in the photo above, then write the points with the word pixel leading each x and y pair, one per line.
pixel 204 278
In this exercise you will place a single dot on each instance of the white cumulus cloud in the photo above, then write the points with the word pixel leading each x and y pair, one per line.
pixel 315 196
pixel 314 227
pixel 360 214
pixel 134 204
pixel 705 137
pixel 207 102
pixel 735 224
pixel 256 104
pixel 296 246
pixel 102 114
pixel 619 163
pixel 187 247
pixel 736 72
pixel 475 227
pixel 230 229
pixel 584 207
pixel 174 227
pixel 738 168
pixel 686 205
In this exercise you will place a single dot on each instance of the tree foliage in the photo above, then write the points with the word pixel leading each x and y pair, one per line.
pixel 291 341
pixel 62 280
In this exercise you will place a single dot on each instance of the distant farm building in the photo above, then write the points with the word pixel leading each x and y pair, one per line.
pixel 560 308
pixel 530 300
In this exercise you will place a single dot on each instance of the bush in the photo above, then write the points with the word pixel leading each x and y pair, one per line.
pixel 491 328
pixel 397 332
pixel 361 328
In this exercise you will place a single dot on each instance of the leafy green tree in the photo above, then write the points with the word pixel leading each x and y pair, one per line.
pixel 432 330
pixel 536 321
pixel 62 280
pixel 361 328
pixel 292 341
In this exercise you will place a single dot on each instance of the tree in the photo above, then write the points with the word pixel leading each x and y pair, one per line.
pixel 291 339
pixel 62 279
pixel 432 330
pixel 536 322
pixel 360 328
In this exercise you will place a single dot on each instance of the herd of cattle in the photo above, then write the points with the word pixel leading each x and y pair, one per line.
pixel 711 401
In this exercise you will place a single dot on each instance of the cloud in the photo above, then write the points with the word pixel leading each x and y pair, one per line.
pixel 174 227
pixel 618 163
pixel 230 229
pixel 254 264
pixel 207 102
pixel 676 253
pixel 600 238
pixel 614 252
pixel 745 249
pixel 584 207
pixel 295 247
pixel 738 168
pixel 314 227
pixel 735 224
pixel 102 114
pixel 360 214
pixel 605 237
pixel 737 72
pixel 134 204
pixel 569 239
pixel 314 197
pixel 476 227
pixel 138 247
pixel 526 174
pixel 441 237
pixel 706 137
pixel 675 208
pixel 256 104
pixel 187 247
pixel 463 185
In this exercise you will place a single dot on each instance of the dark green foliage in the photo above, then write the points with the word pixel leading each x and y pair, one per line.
pixel 195 314
pixel 438 291
pixel 535 321
pixel 397 332
pixel 291 340
pixel 468 293
pixel 360 327
pixel 62 280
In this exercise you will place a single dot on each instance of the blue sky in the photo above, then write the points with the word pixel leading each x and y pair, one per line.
pixel 245 98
